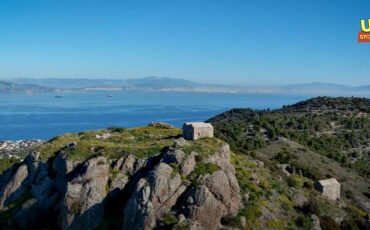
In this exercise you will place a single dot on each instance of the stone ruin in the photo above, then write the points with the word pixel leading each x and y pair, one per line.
pixel 330 188
pixel 196 130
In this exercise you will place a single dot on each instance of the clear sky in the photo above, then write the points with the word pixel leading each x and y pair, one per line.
pixel 230 41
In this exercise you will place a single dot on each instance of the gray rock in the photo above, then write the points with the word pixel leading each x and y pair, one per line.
pixel 217 195
pixel 86 189
pixel 181 218
pixel 188 165
pixel 316 222
pixel 173 156
pixel 43 187
pixel 299 199
pixel 259 163
pixel 153 197
pixel 194 225
pixel 220 186
pixel 246 198
pixel 207 210
pixel 190 200
pixel 179 142
pixel 13 188
pixel 129 165
pixel 17 180
pixel 243 221
pixel 160 124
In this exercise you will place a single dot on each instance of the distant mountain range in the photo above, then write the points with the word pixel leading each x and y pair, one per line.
pixel 146 82
pixel 6 86
pixel 170 84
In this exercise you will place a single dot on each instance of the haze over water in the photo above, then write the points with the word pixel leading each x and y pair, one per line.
pixel 42 116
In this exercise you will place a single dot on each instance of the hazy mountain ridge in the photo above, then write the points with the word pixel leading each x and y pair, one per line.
pixel 153 83
pixel 10 87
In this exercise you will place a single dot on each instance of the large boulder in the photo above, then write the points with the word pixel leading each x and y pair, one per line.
pixel 82 206
pixel 153 197
pixel 206 208
pixel 17 180
pixel 188 165
pixel 123 169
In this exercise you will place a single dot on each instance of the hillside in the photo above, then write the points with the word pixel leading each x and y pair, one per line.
pixel 338 128
pixel 321 137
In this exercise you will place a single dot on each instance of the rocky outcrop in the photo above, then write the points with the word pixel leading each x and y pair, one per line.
pixel 153 197
pixel 66 194
pixel 82 206
pixel 123 169
pixel 188 165
pixel 16 180
pixel 160 124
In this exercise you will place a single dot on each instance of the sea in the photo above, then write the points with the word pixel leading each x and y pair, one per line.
pixel 44 115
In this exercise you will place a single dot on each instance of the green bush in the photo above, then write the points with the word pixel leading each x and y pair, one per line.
pixel 294 181
pixel 167 221
pixel 312 206
pixel 304 222
pixel 202 169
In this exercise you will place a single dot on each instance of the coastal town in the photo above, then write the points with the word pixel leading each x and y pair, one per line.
pixel 18 149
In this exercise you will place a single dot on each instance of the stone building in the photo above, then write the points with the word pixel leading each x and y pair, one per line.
pixel 330 188
pixel 196 130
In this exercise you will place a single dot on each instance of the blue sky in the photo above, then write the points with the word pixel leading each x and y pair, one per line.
pixel 230 41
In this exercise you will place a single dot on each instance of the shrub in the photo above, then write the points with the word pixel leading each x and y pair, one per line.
pixel 232 221
pixel 167 221
pixel 201 169
pixel 348 194
pixel 294 181
pixel 312 206
pixel 304 222
pixel 327 223
pixel 275 224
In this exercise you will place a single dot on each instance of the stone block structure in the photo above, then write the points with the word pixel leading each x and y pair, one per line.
pixel 330 188
pixel 196 130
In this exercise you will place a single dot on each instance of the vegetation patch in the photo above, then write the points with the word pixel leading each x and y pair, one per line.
pixel 140 141
pixel 6 162
pixel 202 169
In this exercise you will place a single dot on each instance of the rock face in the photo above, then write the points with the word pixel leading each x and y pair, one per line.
pixel 153 197
pixel 66 194
pixel 82 206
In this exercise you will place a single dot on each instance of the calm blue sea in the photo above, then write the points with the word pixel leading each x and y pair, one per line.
pixel 43 116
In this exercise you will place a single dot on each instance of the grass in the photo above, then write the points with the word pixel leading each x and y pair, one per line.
pixel 204 147
pixel 202 169
pixel 140 141
pixel 167 221
pixel 6 162
pixel 276 224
